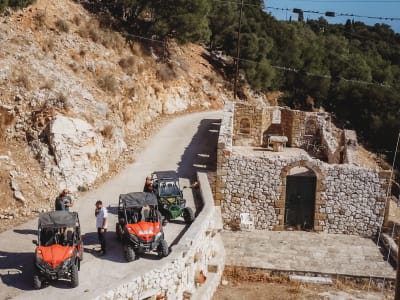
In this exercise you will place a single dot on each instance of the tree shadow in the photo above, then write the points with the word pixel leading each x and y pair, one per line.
pixel 17 269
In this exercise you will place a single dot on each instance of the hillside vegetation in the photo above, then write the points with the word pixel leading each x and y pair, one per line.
pixel 64 71
pixel 351 70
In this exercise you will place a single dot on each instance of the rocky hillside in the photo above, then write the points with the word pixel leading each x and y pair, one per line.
pixel 75 100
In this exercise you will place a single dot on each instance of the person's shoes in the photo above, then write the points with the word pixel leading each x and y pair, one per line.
pixel 102 253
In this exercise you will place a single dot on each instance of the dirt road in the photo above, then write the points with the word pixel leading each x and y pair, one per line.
pixel 186 144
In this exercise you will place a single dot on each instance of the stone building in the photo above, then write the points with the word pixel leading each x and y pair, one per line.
pixel 295 170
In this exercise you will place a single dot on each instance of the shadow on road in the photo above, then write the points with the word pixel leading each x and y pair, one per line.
pixel 17 269
pixel 26 231
pixel 112 209
pixel 201 153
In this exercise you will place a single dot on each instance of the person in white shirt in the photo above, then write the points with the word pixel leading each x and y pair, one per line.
pixel 101 223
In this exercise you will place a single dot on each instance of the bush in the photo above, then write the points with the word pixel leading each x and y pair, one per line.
pixel 108 83
pixel 23 81
pixel 127 64
pixel 48 45
pixel 62 25
pixel 166 72
pixel 40 18
pixel 107 131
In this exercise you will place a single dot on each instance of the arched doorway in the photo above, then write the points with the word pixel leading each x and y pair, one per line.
pixel 300 198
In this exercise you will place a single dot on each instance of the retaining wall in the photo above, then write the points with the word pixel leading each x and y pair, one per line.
pixel 200 250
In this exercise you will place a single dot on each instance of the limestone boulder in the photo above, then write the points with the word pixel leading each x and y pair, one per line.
pixel 78 152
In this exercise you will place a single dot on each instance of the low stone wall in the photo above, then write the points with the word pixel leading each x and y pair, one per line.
pixel 348 199
pixel 195 265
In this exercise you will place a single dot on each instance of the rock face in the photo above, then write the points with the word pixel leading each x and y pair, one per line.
pixel 76 154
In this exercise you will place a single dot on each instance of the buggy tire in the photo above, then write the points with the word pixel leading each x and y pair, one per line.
pixel 130 254
pixel 118 232
pixel 161 219
pixel 188 215
pixel 37 283
pixel 81 252
pixel 163 250
pixel 74 276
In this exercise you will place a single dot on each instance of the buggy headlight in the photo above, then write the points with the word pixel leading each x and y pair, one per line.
pixel 66 263
pixel 158 236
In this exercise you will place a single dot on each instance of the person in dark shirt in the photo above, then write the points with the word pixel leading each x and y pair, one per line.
pixel 148 185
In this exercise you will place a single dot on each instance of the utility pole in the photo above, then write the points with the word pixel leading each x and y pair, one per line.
pixel 238 52
pixel 397 287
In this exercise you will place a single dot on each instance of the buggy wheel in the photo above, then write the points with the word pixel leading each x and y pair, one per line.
pixel 37 283
pixel 188 215
pixel 161 219
pixel 81 251
pixel 162 249
pixel 118 232
pixel 74 276
pixel 130 254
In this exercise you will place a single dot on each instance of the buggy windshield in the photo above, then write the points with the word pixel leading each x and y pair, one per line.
pixel 56 219
pixel 165 175
pixel 168 189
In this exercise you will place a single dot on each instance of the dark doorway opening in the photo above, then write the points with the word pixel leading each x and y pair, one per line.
pixel 300 202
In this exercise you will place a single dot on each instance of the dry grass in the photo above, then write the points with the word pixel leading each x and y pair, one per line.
pixel 131 92
pixel 62 25
pixel 166 72
pixel 108 83
pixel 112 40
pixel 82 52
pixel 77 20
pixel 40 18
pixel 107 131
pixel 253 275
pixel 136 48
pixel 48 45
pixel 22 80
pixel 128 64
pixel 6 119
pixel 107 38
pixel 75 56
pixel 47 85
pixel 74 67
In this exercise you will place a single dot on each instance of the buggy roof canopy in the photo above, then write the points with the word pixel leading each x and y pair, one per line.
pixel 59 218
pixel 166 175
pixel 138 199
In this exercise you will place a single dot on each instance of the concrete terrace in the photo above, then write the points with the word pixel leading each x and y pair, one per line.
pixel 302 252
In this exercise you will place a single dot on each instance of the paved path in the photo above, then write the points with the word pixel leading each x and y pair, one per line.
pixel 186 144
pixel 306 252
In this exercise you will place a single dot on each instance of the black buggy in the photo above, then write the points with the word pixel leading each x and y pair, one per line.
pixel 170 197
pixel 139 225
pixel 59 248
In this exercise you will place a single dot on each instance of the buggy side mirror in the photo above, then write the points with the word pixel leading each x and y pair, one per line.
pixel 35 242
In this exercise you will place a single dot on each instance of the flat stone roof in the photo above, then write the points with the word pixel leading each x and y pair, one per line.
pixel 287 152
pixel 300 251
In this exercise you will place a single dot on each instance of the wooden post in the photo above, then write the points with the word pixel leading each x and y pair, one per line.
pixel 238 52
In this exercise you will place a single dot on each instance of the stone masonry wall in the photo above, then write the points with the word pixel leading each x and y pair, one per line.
pixel 199 249
pixel 348 199
pixel 251 136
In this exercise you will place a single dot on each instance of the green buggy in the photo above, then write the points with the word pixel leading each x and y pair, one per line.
pixel 171 203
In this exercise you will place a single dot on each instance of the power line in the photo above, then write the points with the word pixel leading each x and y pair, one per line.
pixel 282 68
pixel 322 13
pixel 334 14
pixel 325 76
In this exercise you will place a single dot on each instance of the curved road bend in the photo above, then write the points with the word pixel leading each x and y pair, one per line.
pixel 186 144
